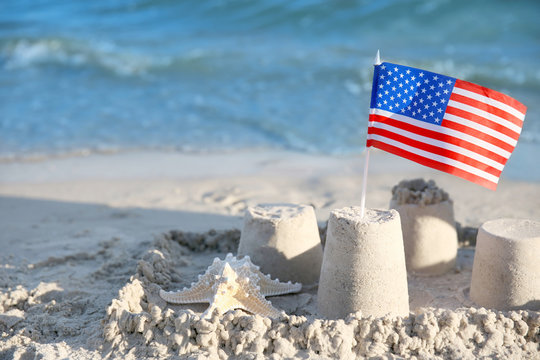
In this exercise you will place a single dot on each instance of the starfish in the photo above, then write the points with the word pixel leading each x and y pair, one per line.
pixel 233 284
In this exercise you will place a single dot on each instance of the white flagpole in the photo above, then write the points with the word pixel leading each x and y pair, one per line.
pixel 366 163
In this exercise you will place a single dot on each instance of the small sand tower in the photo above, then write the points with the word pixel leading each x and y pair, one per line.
pixel 363 265
pixel 429 229
pixel 283 239
pixel 506 269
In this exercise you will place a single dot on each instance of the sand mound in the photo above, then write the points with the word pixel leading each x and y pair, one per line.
pixel 418 191
pixel 140 324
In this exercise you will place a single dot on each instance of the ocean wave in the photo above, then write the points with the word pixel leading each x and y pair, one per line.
pixel 23 53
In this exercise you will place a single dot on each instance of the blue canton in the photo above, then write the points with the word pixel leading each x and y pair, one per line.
pixel 419 94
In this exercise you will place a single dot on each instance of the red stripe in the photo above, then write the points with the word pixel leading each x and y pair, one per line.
pixel 432 163
pixel 439 136
pixel 484 91
pixel 482 121
pixel 486 107
pixel 435 150
pixel 478 134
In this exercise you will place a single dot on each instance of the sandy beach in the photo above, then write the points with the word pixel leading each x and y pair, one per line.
pixel 87 239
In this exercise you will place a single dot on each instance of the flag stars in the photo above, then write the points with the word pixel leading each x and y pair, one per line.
pixel 412 92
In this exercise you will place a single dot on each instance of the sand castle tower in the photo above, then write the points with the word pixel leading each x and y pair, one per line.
pixel 506 269
pixel 363 265
pixel 429 229
pixel 283 239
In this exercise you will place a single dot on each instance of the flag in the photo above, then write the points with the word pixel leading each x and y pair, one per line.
pixel 444 123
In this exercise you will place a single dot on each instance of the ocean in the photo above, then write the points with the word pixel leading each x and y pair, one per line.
pixel 217 75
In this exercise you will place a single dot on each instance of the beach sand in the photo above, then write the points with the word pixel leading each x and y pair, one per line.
pixel 86 243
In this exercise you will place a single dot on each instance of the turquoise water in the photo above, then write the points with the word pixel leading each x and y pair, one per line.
pixel 218 75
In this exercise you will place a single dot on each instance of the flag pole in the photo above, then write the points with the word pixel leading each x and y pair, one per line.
pixel 366 163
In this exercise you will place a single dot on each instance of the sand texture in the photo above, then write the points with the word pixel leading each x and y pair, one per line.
pixel 283 239
pixel 86 244
pixel 353 277
pixel 506 273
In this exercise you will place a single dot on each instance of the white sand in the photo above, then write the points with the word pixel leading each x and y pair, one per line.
pixel 353 277
pixel 76 231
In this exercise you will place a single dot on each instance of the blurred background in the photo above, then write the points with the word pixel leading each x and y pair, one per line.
pixel 85 76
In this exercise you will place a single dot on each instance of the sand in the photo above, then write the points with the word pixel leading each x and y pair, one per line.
pixel 429 227
pixel 87 243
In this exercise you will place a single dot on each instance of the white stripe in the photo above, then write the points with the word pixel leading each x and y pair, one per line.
pixel 442 159
pixel 441 144
pixel 490 101
pixel 486 115
pixel 450 132
pixel 487 130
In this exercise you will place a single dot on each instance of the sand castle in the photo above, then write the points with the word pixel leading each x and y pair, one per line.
pixel 506 271
pixel 283 239
pixel 429 230
pixel 363 265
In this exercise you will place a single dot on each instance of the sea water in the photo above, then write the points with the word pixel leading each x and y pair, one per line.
pixel 216 75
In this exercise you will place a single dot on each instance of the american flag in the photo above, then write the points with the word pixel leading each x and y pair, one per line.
pixel 444 123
